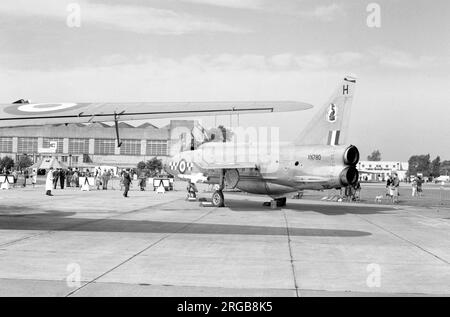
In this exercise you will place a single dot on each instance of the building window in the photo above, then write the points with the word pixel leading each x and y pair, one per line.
pixel 64 159
pixel 6 145
pixel 27 145
pixel 59 147
pixel 157 147
pixel 105 146
pixel 74 159
pixel 79 146
pixel 130 147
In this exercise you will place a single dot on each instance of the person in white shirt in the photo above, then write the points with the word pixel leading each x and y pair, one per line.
pixel 49 182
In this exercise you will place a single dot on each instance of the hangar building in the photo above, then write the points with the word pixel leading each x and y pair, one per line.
pixel 80 145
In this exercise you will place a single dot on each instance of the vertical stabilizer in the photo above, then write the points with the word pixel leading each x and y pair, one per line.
pixel 330 125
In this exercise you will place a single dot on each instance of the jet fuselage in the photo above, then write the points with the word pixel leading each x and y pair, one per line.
pixel 269 169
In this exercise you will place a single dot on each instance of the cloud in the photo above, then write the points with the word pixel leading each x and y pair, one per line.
pixel 326 13
pixel 194 77
pixel 400 59
pixel 137 19
pixel 236 4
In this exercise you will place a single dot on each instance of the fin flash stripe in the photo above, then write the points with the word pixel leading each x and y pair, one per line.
pixel 333 137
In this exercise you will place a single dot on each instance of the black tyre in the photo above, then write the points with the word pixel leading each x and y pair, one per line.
pixel 218 199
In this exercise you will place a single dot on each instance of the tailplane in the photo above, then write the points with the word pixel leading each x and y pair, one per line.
pixel 330 125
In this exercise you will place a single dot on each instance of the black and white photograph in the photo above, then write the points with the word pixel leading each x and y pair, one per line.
pixel 232 150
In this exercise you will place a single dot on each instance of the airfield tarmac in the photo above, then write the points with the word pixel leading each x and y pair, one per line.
pixel 161 245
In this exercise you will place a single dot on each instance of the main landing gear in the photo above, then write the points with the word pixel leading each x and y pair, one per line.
pixel 277 202
pixel 217 197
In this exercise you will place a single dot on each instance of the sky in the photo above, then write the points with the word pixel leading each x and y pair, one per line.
pixel 209 50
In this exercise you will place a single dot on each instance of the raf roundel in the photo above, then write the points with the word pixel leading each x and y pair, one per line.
pixel 182 166
pixel 41 108
pixel 44 107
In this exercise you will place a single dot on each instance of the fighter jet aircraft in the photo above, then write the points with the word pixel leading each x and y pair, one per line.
pixel 318 159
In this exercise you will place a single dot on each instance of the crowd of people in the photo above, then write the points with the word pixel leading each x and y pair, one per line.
pixel 416 184
pixel 392 185
pixel 86 179
pixel 76 178
pixel 20 177
pixel 351 192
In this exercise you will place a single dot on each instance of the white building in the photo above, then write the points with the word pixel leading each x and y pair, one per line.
pixel 380 170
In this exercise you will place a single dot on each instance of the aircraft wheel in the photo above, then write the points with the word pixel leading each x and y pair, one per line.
pixel 217 199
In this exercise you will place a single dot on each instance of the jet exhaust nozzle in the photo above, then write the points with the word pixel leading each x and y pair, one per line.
pixel 349 176
pixel 351 155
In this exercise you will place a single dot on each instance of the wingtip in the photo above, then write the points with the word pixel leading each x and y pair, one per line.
pixel 302 105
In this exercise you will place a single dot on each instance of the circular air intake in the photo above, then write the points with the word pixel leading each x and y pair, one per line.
pixel 349 176
pixel 351 155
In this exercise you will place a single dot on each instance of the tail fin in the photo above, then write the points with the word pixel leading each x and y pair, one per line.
pixel 330 125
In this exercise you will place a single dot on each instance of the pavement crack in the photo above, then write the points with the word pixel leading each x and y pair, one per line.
pixel 405 240
pixel 139 253
pixel 6 244
pixel 297 290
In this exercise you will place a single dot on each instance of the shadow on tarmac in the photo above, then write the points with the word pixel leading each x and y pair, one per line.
pixel 329 209
pixel 61 221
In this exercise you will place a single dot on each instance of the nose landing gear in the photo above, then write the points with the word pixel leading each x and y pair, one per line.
pixel 217 197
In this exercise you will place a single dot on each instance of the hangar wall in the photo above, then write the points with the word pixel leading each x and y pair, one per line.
pixel 90 145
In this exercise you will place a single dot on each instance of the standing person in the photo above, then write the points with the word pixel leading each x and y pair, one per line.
pixel 105 179
pixel 16 177
pixel 34 177
pixel 122 172
pixel 395 187
pixel 414 187
pixel 55 178
pixel 62 178
pixel 388 186
pixel 98 178
pixel 85 185
pixel 76 177
pixel 49 182
pixel 126 182
pixel 357 191
pixel 25 177
pixel 68 177
pixel 142 180
pixel 419 186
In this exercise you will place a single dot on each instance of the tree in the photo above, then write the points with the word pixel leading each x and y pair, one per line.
pixel 6 163
pixel 419 164
pixel 154 166
pixel 141 165
pixel 445 168
pixel 24 162
pixel 375 156
pixel 436 167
